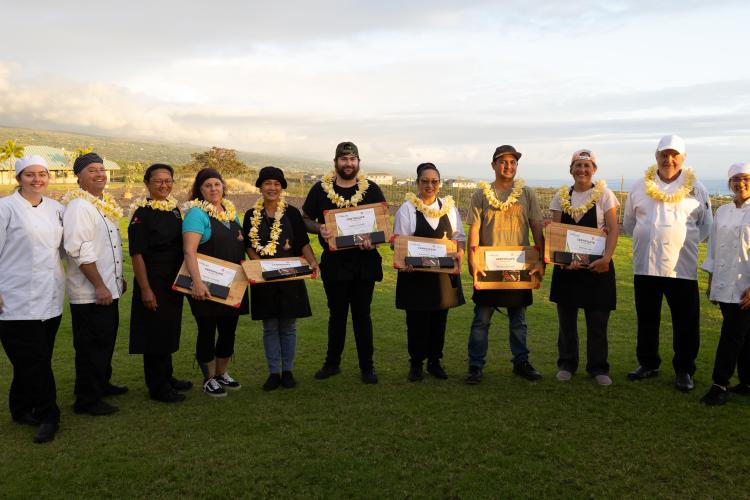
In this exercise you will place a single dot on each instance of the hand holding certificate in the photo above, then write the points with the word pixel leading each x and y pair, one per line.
pixel 362 226
pixel 279 269
pixel 508 267
pixel 224 282
pixel 573 246
pixel 415 253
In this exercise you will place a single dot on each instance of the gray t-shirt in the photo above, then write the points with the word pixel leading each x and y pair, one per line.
pixel 507 227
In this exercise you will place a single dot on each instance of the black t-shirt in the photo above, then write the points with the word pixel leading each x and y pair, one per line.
pixel 344 264
pixel 291 217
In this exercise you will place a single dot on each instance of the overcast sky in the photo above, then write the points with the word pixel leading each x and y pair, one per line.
pixel 408 82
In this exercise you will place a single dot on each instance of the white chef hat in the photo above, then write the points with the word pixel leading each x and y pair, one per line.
pixel 28 161
pixel 671 142
pixel 739 168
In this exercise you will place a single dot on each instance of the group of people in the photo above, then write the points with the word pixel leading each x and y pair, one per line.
pixel 668 213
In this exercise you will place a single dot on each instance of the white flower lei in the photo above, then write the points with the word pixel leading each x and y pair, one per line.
pixel 654 192
pixel 448 205
pixel 327 184
pixel 162 205
pixel 489 193
pixel 270 248
pixel 581 209
pixel 227 215
pixel 106 205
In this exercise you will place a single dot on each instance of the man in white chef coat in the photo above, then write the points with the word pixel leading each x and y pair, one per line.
pixel 95 282
pixel 668 212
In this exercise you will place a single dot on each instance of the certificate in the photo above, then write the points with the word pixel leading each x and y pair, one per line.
pixel 583 243
pixel 216 273
pixel 274 265
pixel 356 222
pixel 505 260
pixel 420 249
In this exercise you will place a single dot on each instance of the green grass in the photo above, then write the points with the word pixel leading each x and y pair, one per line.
pixel 338 438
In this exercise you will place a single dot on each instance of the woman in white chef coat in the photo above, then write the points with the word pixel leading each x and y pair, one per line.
pixel 728 265
pixel 32 285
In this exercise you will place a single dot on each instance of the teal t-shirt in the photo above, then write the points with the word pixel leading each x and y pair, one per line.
pixel 198 221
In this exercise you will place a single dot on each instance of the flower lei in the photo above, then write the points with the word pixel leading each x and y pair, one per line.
pixel 106 205
pixel 327 184
pixel 581 209
pixel 166 205
pixel 227 215
pixel 448 205
pixel 270 248
pixel 654 192
pixel 489 193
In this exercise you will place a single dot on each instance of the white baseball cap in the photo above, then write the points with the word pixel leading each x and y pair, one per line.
pixel 28 161
pixel 672 142
pixel 739 168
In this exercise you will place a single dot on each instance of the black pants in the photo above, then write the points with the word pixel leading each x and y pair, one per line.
pixel 29 345
pixel 682 298
pixel 94 335
pixel 208 346
pixel 425 334
pixel 734 345
pixel 157 369
pixel 596 340
pixel 342 294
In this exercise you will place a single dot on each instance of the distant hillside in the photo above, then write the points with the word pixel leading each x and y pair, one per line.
pixel 124 150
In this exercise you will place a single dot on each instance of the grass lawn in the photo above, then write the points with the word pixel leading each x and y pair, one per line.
pixel 339 438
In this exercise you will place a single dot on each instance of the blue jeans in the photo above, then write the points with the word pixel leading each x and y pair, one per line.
pixel 480 328
pixel 280 343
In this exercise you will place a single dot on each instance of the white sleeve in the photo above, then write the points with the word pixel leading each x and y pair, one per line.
pixel 4 223
pixel 79 231
pixel 458 232
pixel 555 203
pixel 707 216
pixel 401 221
pixel 628 215
pixel 708 264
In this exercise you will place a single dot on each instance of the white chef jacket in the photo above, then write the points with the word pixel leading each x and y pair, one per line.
pixel 728 256
pixel 32 279
pixel 91 237
pixel 666 235
pixel 405 221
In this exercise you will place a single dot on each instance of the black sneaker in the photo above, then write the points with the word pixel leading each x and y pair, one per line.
pixel 115 390
pixel 741 389
pixel 287 380
pixel 642 373
pixel 369 376
pixel 272 382
pixel 435 369
pixel 98 409
pixel 415 373
pixel 327 371
pixel 169 396
pixel 227 382
pixel 716 396
pixel 684 382
pixel 213 389
pixel 474 376
pixel 525 370
pixel 180 385
pixel 46 432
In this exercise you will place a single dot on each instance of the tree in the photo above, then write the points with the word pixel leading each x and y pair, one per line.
pixel 11 150
pixel 223 160
pixel 133 174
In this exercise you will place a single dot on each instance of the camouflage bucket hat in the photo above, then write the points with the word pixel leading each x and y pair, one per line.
pixel 346 148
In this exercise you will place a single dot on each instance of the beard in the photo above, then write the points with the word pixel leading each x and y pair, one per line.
pixel 346 176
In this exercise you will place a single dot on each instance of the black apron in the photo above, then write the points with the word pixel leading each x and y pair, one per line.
pixel 225 244
pixel 582 288
pixel 158 332
pixel 420 291
pixel 279 300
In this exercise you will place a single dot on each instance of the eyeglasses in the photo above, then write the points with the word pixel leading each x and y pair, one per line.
pixel 167 182
pixel 428 182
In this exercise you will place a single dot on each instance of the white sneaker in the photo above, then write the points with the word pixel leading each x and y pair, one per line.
pixel 212 388
pixel 603 379
pixel 226 381
pixel 564 375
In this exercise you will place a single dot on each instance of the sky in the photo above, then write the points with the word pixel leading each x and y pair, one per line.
pixel 408 82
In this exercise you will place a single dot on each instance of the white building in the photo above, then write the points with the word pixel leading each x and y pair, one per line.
pixel 60 165
pixel 381 179
pixel 460 183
